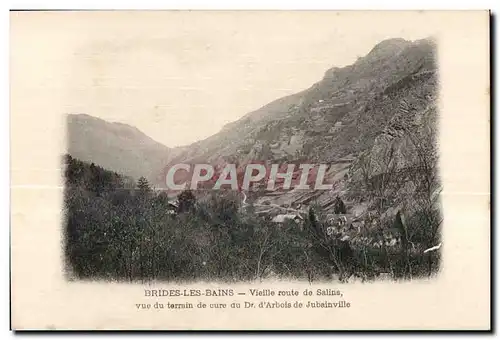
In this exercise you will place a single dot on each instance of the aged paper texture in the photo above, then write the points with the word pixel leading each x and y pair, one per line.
pixel 242 170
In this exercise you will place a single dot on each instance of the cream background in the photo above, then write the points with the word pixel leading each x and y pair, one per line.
pixel 48 71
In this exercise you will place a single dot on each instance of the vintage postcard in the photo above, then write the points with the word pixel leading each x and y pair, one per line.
pixel 250 170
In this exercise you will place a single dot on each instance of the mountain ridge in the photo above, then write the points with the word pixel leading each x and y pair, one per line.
pixel 338 118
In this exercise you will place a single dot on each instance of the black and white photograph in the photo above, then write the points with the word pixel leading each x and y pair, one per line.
pixel 233 206
pixel 250 169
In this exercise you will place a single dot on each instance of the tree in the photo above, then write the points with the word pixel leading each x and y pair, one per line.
pixel 162 199
pixel 186 200
pixel 324 246
pixel 427 197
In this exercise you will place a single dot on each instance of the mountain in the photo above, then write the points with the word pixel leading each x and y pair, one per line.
pixel 115 146
pixel 374 122
pixel 355 112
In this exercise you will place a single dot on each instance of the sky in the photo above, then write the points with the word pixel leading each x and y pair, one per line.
pixel 179 76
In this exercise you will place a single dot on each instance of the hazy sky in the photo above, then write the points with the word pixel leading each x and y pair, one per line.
pixel 180 76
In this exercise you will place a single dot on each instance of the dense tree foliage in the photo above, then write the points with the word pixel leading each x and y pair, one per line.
pixel 116 229
pixel 339 206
